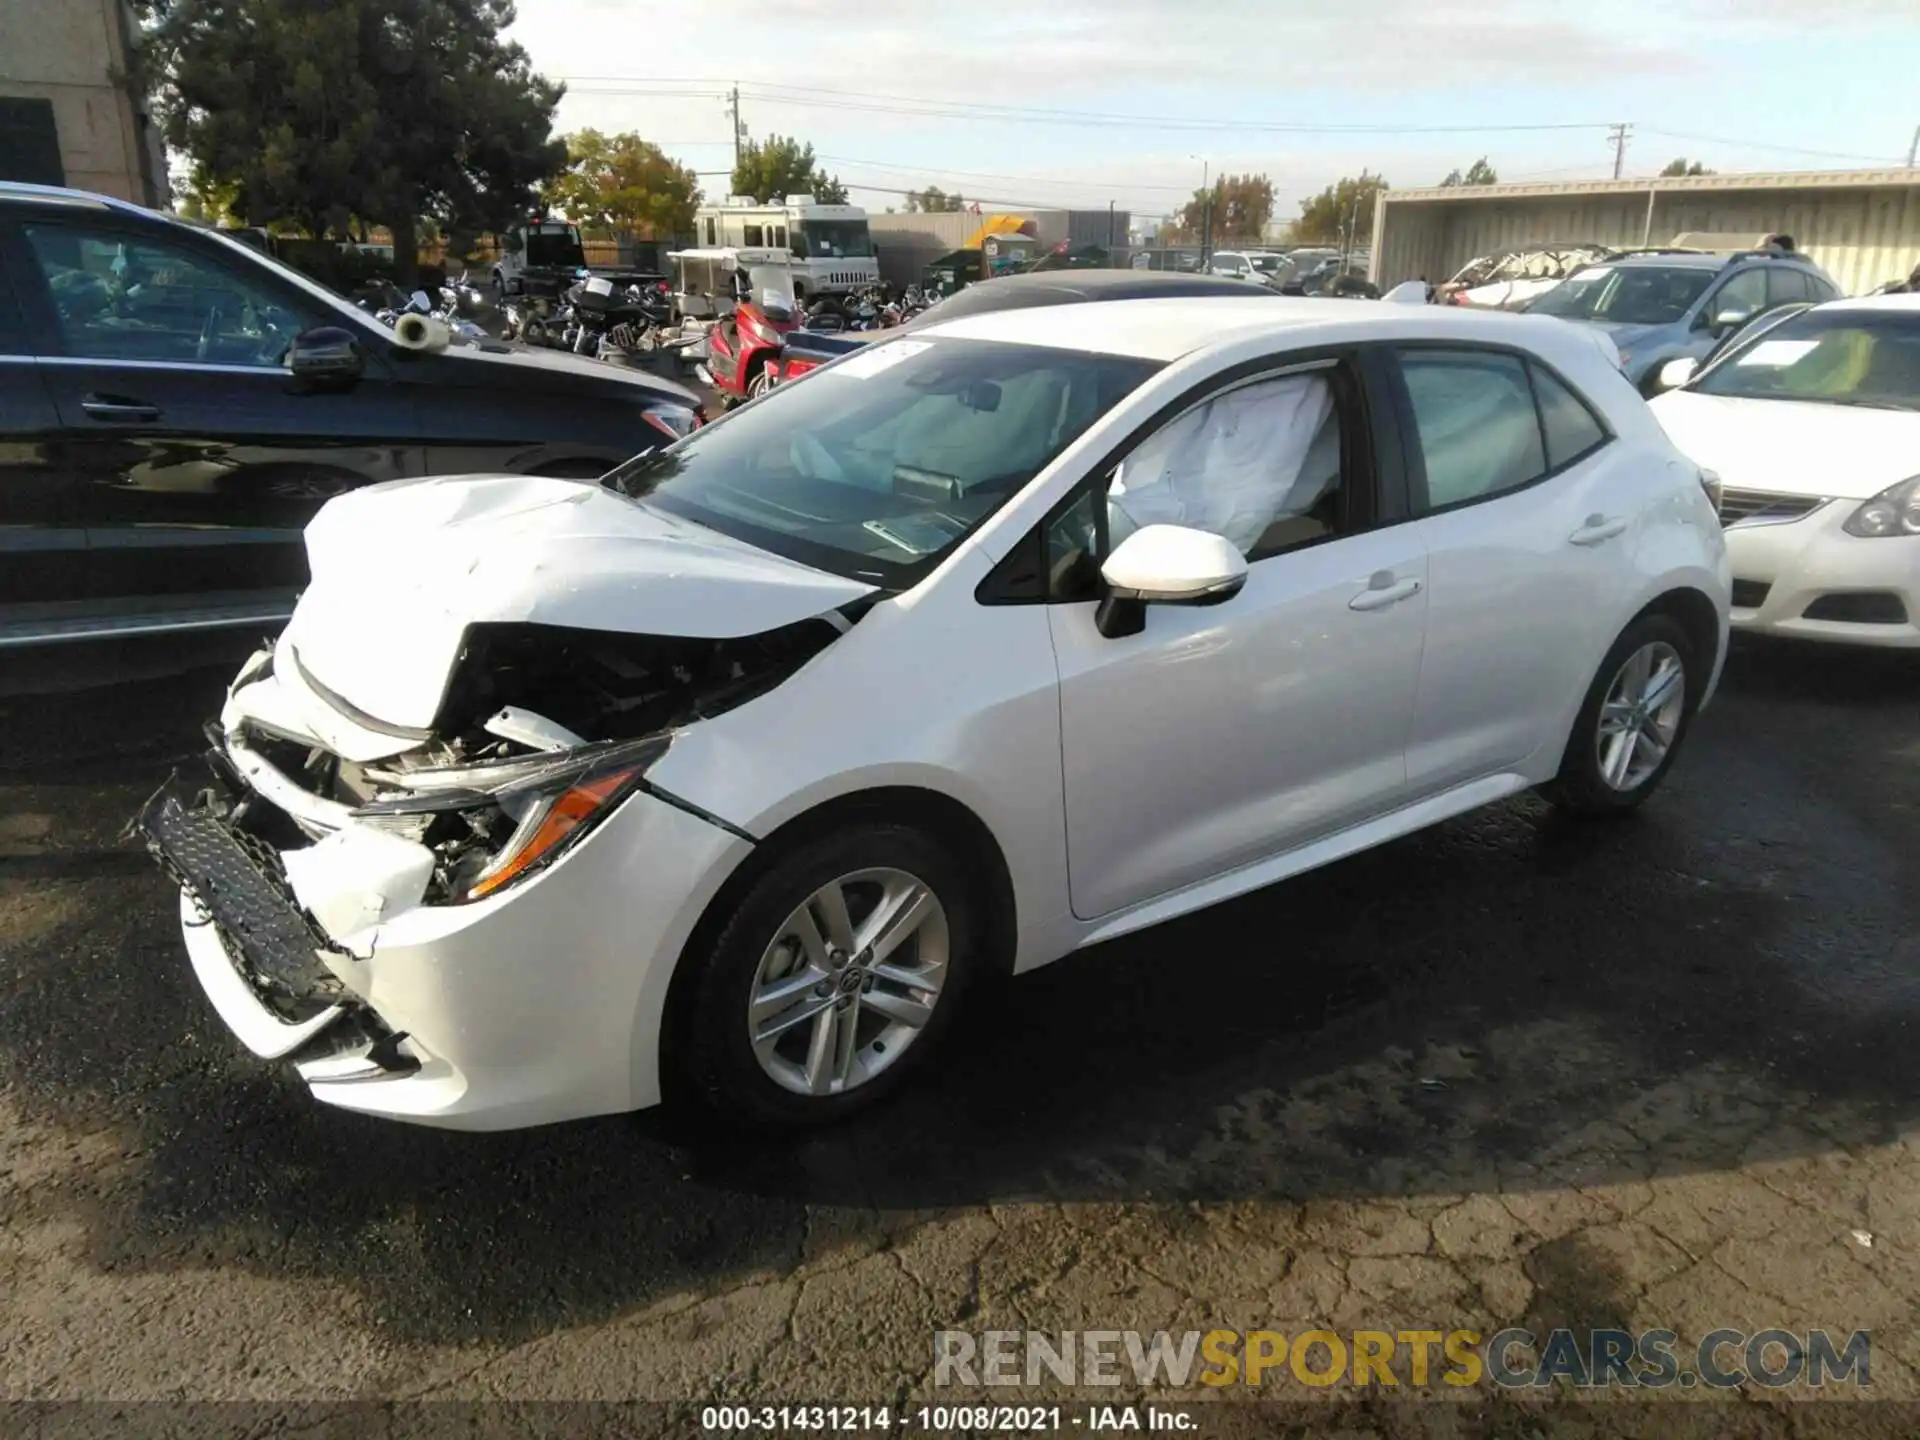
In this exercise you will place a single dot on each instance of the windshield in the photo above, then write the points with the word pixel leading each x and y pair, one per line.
pixel 832 239
pixel 1626 294
pixel 880 464
pixel 1833 357
pixel 556 247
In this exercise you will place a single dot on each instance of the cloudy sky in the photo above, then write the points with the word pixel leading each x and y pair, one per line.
pixel 1081 102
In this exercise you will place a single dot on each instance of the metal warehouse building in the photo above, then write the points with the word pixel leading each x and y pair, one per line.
pixel 1861 226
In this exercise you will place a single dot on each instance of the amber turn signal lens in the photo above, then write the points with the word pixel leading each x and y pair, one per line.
pixel 564 816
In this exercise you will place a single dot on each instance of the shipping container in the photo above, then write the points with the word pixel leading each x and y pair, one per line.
pixel 1861 226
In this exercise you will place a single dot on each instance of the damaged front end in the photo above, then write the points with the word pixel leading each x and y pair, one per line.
pixel 316 824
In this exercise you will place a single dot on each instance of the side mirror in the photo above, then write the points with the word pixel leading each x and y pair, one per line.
pixel 327 355
pixel 1676 373
pixel 1728 320
pixel 1166 565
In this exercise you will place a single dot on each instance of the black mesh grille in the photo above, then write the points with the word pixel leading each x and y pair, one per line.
pixel 1750 594
pixel 238 881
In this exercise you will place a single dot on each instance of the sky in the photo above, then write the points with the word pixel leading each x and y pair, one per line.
pixel 1086 102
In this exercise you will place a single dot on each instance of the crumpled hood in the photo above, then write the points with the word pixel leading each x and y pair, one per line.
pixel 401 569
pixel 1795 447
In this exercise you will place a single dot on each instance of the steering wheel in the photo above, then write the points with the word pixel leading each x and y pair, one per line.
pixel 209 328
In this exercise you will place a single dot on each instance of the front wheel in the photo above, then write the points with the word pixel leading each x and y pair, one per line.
pixel 1633 721
pixel 762 380
pixel 836 977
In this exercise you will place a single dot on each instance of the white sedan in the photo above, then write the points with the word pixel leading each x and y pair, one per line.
pixel 730 777
pixel 1812 423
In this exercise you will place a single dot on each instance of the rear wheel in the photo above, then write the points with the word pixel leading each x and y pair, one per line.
pixel 1633 721
pixel 841 969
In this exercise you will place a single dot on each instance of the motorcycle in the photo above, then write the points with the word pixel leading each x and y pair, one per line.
pixel 395 307
pixel 743 350
pixel 610 319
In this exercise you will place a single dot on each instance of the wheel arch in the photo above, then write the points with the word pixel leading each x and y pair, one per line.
pixel 931 811
pixel 1696 614
pixel 1692 609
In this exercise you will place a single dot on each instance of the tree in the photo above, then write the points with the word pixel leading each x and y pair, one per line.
pixel 1343 212
pixel 781 165
pixel 1242 206
pixel 1683 166
pixel 934 201
pixel 1478 173
pixel 393 110
pixel 621 182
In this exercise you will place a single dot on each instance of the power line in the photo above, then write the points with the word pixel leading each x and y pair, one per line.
pixel 1101 185
pixel 881 103
pixel 1758 145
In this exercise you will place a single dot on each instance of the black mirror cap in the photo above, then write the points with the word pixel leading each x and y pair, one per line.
pixel 327 355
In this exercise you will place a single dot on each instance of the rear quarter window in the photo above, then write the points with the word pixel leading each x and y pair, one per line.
pixel 1568 423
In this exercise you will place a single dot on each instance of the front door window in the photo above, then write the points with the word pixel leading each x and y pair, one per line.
pixel 121 298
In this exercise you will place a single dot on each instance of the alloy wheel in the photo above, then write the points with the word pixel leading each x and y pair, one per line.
pixel 1640 718
pixel 848 982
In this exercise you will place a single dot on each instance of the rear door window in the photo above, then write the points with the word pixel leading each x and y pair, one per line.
pixel 1475 421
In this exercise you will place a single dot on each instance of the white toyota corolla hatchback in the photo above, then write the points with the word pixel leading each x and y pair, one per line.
pixel 1812 422
pixel 731 776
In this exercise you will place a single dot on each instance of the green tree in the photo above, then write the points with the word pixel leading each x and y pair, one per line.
pixel 393 110
pixel 199 197
pixel 1478 173
pixel 621 182
pixel 1242 206
pixel 1341 212
pixel 781 165
pixel 933 200
pixel 1683 166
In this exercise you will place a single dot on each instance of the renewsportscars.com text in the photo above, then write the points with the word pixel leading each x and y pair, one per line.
pixel 1512 1359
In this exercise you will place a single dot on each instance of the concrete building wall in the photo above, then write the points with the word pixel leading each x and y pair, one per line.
pixel 1861 226
pixel 71 53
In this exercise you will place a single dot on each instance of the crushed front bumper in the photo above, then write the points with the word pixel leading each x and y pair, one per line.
pixel 540 1003
pixel 259 956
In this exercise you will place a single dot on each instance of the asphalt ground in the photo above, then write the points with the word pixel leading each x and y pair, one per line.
pixel 1512 1071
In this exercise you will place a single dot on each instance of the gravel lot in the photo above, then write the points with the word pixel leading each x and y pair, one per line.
pixel 1649 1074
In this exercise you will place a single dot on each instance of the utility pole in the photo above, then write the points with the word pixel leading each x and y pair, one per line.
pixel 1618 135
pixel 1913 150
pixel 733 109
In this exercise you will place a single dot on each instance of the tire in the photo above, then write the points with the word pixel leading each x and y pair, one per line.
pixel 1587 784
pixel 762 380
pixel 712 1061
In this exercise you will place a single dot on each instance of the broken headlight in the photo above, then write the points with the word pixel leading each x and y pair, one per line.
pixel 551 799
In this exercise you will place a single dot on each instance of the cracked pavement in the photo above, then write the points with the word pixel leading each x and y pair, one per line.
pixel 1512 1071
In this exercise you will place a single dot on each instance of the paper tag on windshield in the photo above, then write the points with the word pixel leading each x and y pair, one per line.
pixel 599 285
pixel 1777 352
pixel 1592 272
pixel 869 363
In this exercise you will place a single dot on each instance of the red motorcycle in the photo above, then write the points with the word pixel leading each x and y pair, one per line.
pixel 743 350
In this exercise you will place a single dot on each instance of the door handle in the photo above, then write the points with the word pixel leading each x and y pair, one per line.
pixel 1383 590
pixel 118 407
pixel 1597 530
